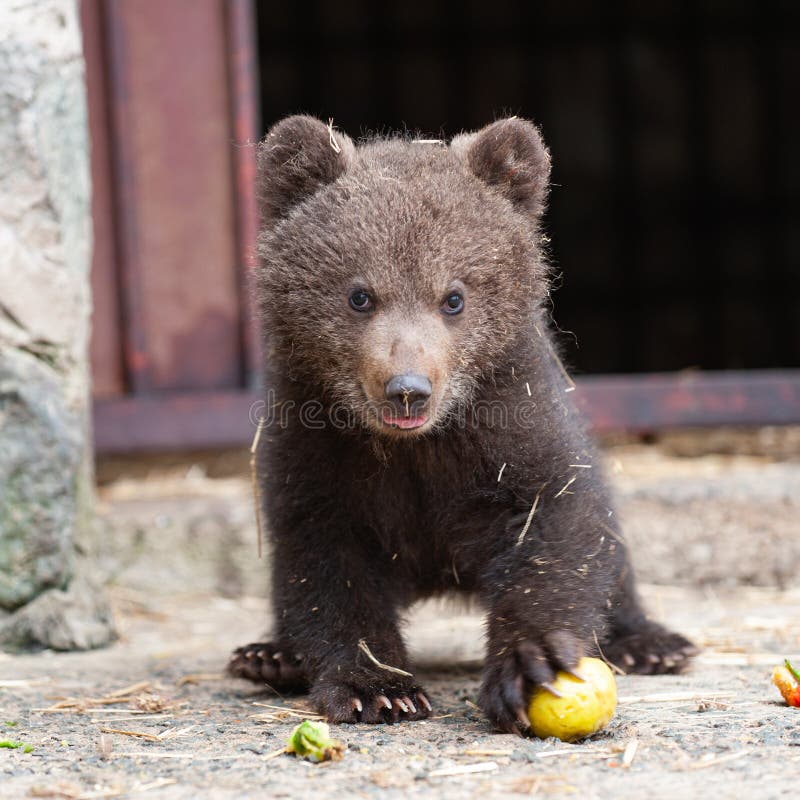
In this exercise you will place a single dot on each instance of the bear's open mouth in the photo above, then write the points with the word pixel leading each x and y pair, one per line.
pixel 404 423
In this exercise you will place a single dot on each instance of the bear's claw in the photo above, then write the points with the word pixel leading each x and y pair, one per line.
pixel 511 676
pixel 354 701
pixel 263 662
pixel 650 650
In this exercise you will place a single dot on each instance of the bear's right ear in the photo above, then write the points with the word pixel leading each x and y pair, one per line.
pixel 296 159
pixel 510 157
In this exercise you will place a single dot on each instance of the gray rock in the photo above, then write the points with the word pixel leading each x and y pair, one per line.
pixel 45 238
pixel 76 618
pixel 42 446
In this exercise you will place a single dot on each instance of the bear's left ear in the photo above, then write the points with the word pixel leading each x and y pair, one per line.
pixel 510 157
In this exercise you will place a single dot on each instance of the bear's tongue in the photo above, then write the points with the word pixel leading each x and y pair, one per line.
pixel 406 423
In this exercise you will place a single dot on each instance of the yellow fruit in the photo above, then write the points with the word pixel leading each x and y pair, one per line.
pixel 584 708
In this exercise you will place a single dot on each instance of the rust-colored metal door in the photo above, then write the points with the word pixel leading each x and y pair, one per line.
pixel 172 118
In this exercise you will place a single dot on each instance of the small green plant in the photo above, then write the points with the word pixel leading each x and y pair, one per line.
pixel 8 744
pixel 312 741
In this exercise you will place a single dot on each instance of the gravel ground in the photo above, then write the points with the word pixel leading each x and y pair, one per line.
pixel 726 728
pixel 177 543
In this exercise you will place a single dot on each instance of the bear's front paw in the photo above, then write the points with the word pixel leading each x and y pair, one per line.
pixel 513 671
pixel 365 698
pixel 269 663
pixel 651 649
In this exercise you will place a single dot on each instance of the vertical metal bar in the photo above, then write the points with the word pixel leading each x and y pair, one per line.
pixel 628 228
pixel 137 363
pixel 459 57
pixel 108 379
pixel 243 81
pixel 772 219
pixel 701 206
pixel 380 57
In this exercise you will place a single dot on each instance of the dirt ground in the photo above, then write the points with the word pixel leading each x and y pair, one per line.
pixel 718 728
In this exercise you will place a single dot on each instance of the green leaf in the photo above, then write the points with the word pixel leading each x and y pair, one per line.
pixel 795 673
pixel 11 745
pixel 311 740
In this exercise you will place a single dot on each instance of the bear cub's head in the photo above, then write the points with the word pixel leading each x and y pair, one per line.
pixel 396 276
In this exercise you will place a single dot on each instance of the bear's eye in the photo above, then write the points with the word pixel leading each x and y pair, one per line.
pixel 360 300
pixel 453 303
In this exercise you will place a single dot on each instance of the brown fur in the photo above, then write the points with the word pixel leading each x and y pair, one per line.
pixel 365 518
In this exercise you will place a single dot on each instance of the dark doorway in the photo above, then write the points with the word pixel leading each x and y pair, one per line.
pixel 675 212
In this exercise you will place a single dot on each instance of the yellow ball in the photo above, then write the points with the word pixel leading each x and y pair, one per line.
pixel 585 707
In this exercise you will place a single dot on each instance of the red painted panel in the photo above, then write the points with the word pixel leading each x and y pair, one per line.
pixel 108 379
pixel 175 421
pixel 634 403
pixel 173 168
pixel 642 403
pixel 244 110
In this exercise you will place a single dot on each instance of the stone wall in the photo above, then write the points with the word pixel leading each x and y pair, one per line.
pixel 46 596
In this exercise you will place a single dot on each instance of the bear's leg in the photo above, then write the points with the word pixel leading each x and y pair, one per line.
pixel 546 595
pixel 337 632
pixel 638 645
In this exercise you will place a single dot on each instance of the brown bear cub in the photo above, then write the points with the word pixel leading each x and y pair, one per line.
pixel 420 436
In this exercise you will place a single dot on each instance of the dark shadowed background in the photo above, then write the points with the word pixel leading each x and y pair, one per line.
pixel 675 212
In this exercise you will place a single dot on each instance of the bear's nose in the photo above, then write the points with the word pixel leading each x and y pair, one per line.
pixel 408 392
